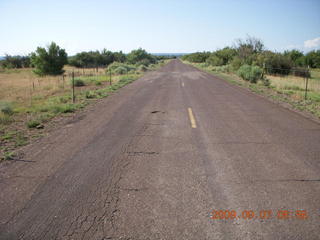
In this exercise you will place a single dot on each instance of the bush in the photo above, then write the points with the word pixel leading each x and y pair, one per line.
pixel 250 73
pixel 142 68
pixel 275 63
pixel 266 82
pixel 121 67
pixel 78 82
pixel 301 72
pixel 120 70
pixel 214 60
pixel 6 108
pixel 236 63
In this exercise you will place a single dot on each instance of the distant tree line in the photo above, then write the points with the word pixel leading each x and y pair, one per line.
pixel 51 60
pixel 15 62
pixel 252 52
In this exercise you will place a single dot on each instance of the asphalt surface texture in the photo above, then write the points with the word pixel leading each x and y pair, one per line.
pixel 178 154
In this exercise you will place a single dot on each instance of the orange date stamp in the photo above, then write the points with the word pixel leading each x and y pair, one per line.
pixel 260 215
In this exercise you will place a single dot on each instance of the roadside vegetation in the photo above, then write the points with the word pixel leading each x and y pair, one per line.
pixel 35 89
pixel 283 76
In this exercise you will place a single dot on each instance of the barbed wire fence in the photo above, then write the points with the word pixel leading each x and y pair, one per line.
pixel 300 73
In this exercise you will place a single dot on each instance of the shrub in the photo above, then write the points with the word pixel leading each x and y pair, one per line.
pixel 142 68
pixel 275 63
pixel 301 72
pixel 214 60
pixel 250 73
pixel 121 67
pixel 266 82
pixel 121 70
pixel 223 69
pixel 6 108
pixel 78 82
pixel 236 63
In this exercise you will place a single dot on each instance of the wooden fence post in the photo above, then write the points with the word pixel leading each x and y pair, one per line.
pixel 307 80
pixel 73 95
pixel 110 78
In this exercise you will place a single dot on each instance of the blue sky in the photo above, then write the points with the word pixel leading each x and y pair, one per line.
pixel 157 26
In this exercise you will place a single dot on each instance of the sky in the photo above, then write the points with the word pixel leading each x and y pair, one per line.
pixel 163 26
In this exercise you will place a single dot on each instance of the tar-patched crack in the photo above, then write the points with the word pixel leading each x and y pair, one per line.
pixel 156 111
pixel 141 153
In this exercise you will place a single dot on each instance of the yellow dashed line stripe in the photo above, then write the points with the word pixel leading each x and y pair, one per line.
pixel 192 119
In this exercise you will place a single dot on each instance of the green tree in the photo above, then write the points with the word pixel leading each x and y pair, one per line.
pixel 119 57
pixel 49 61
pixel 226 54
pixel 313 59
pixel 140 56
pixel 197 57
pixel 296 56
pixel 249 49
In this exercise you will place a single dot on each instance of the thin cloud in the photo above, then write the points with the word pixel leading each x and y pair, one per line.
pixel 313 43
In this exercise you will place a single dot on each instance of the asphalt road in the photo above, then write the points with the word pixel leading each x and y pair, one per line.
pixel 160 158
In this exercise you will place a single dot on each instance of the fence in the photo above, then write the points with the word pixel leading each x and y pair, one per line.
pixel 294 79
pixel 23 87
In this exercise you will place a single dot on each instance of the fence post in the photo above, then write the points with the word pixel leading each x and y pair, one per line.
pixel 110 80
pixel 73 96
pixel 307 80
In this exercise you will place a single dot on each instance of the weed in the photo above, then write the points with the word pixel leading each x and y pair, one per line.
pixel 90 94
pixel 6 119
pixel 33 124
pixel 8 156
pixel 64 108
pixel 20 140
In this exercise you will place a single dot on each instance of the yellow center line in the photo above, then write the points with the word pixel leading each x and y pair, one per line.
pixel 192 119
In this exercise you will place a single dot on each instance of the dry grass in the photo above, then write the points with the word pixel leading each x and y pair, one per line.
pixel 288 82
pixel 21 86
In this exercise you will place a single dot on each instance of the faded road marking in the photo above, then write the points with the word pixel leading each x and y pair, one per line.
pixel 192 119
pixel 182 84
